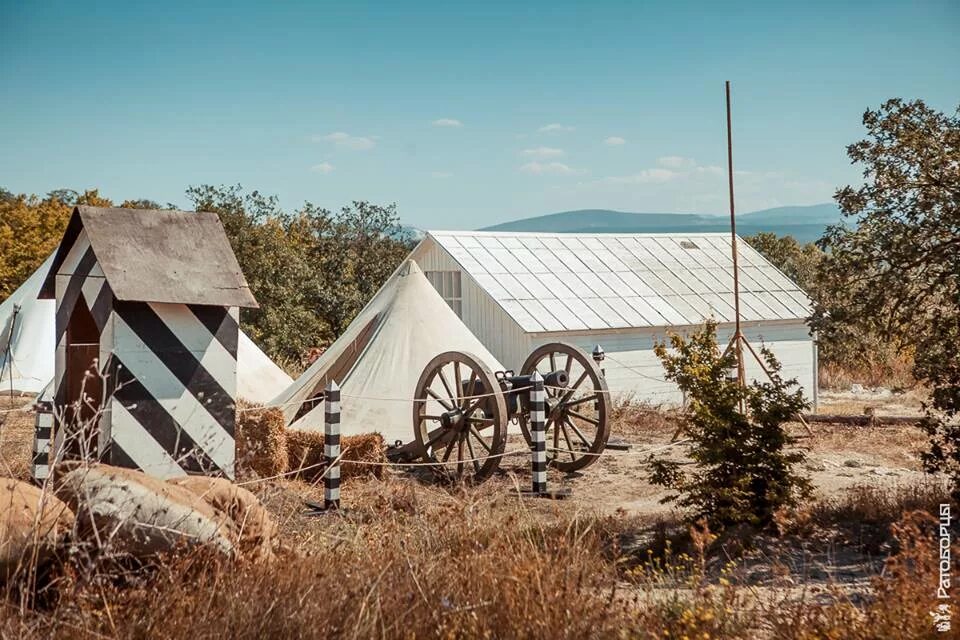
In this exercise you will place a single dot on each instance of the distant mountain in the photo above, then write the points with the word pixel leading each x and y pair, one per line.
pixel 806 224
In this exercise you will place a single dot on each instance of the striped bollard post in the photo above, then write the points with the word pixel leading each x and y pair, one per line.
pixel 42 435
pixel 331 446
pixel 538 429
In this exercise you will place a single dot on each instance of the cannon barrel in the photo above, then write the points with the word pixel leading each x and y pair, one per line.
pixel 557 378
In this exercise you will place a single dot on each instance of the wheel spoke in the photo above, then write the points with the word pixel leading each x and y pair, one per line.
pixel 460 456
pixel 573 387
pixel 446 385
pixel 579 401
pixel 566 436
pixel 473 407
pixel 446 456
pixel 579 433
pixel 473 456
pixel 457 381
pixel 471 389
pixel 483 443
pixel 436 396
pixel 592 421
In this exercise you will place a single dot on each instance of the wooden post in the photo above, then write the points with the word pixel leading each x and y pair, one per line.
pixel 42 434
pixel 737 335
pixel 538 433
pixel 331 446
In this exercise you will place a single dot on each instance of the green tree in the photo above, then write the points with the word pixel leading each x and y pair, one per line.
pixel 799 262
pixel 143 203
pixel 896 270
pixel 31 227
pixel 744 470
pixel 311 270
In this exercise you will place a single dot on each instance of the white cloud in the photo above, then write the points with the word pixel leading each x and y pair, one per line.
pixel 712 170
pixel 447 122
pixel 440 175
pixel 347 141
pixel 323 167
pixel 555 127
pixel 646 176
pixel 543 152
pixel 547 168
pixel 676 162
pixel 614 141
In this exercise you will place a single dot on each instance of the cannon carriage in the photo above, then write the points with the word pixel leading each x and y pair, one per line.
pixel 462 410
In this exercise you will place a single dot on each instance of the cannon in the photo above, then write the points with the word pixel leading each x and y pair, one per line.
pixel 461 410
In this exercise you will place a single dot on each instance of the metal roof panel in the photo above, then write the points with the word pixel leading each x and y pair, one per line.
pixel 599 281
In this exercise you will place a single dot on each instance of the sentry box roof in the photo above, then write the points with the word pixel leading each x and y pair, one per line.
pixel 571 282
pixel 158 256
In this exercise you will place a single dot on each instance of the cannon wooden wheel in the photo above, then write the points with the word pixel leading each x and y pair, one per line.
pixel 452 425
pixel 577 413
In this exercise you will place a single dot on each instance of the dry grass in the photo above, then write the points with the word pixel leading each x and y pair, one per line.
pixel 884 368
pixel 643 421
pixel 16 436
pixel 414 559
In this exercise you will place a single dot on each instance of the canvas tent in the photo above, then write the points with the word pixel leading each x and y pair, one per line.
pixel 379 358
pixel 30 332
pixel 27 336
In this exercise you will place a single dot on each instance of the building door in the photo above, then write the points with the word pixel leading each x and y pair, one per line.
pixel 84 385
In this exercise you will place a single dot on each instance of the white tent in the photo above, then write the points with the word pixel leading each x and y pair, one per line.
pixel 379 358
pixel 27 324
pixel 27 336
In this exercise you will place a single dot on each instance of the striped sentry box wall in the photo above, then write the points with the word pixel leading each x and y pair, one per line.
pixel 538 433
pixel 157 380
pixel 42 436
pixel 331 445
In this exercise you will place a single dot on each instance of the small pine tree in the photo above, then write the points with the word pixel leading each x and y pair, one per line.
pixel 744 470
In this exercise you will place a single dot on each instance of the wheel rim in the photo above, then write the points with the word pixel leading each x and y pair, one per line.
pixel 453 427
pixel 576 425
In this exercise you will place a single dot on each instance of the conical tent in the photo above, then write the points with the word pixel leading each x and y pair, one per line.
pixel 27 336
pixel 379 358
pixel 27 325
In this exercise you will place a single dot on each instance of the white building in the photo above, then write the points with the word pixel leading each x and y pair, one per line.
pixel 625 292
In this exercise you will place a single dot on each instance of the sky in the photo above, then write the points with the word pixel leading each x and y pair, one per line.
pixel 463 114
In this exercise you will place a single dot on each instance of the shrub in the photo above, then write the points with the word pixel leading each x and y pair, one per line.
pixel 743 469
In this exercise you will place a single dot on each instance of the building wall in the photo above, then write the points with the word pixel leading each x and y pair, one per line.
pixel 175 368
pixel 482 315
pixel 632 368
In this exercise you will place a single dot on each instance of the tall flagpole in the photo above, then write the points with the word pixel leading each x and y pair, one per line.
pixel 737 336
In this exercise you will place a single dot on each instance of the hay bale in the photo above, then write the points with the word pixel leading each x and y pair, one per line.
pixel 261 438
pixel 132 513
pixel 255 527
pixel 32 525
pixel 305 453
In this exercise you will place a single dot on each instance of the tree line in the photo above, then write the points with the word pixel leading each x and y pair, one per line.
pixel 311 269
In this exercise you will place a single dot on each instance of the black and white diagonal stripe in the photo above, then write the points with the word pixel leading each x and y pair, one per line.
pixel 170 371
